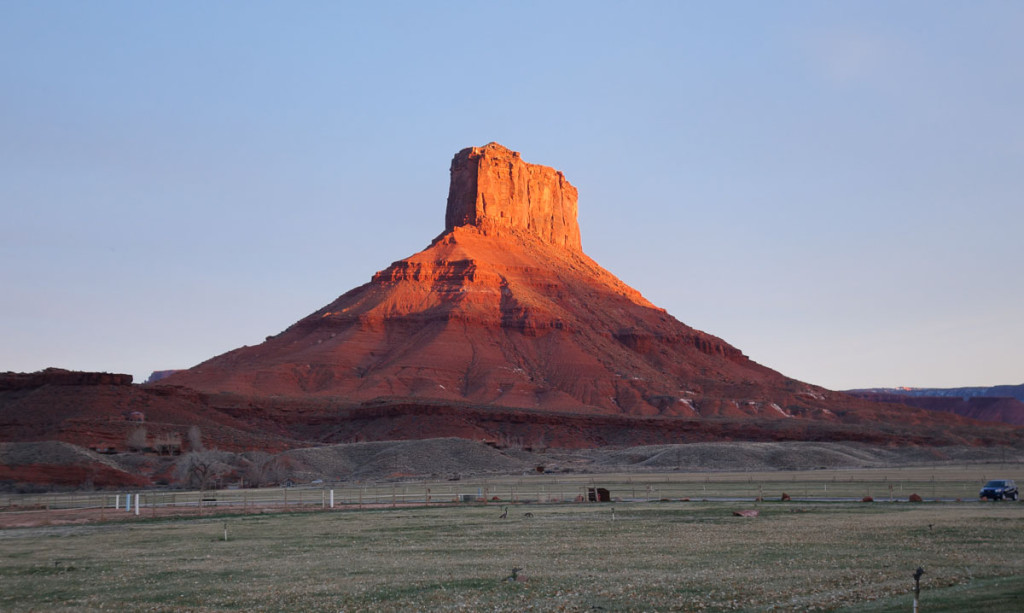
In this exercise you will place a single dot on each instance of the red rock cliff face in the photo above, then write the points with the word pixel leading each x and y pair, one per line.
pixel 493 189
pixel 505 310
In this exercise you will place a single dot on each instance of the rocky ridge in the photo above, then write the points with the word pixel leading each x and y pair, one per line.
pixel 59 376
pixel 1005 409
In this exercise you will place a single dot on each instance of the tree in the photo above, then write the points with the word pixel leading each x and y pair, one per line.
pixel 201 469
pixel 263 468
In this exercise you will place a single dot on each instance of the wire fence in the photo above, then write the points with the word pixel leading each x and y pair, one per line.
pixel 882 485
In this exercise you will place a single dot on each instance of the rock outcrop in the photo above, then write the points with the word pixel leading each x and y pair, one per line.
pixel 157 375
pixel 503 319
pixel 501 330
pixel 59 376
pixel 505 310
pixel 493 189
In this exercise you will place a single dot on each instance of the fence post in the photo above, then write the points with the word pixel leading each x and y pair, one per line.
pixel 917 586
pixel 117 501
pixel 332 499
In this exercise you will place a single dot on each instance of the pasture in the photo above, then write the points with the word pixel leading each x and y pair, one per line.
pixel 650 550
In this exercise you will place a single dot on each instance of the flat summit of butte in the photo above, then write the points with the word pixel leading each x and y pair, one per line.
pixel 504 310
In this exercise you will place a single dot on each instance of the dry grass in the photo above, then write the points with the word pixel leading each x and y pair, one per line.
pixel 687 556
pixel 949 482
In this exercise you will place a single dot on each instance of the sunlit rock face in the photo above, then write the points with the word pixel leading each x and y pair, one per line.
pixel 504 309
pixel 493 189
pixel 501 330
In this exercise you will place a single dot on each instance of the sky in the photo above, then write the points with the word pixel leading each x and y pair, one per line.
pixel 835 188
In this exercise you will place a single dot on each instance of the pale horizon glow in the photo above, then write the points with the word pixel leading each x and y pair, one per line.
pixel 833 188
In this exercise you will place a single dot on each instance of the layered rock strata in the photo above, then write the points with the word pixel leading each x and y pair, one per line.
pixel 494 190
pixel 504 309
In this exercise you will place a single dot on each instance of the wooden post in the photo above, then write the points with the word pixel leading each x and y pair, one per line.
pixel 917 586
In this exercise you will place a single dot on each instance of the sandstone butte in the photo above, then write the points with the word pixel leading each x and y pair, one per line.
pixel 501 329
pixel 504 310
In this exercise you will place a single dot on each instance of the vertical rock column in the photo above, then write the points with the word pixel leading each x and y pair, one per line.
pixel 493 189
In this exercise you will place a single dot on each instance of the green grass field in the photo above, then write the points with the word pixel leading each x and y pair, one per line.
pixel 651 556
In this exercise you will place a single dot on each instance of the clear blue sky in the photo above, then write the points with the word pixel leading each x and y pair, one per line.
pixel 836 188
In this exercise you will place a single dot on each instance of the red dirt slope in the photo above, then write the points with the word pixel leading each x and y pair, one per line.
pixel 504 309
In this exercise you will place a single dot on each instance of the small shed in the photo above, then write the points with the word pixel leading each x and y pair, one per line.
pixel 598 494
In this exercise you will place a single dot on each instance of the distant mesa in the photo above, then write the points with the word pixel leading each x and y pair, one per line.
pixel 1002 403
pixel 158 375
pixel 964 393
pixel 58 376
